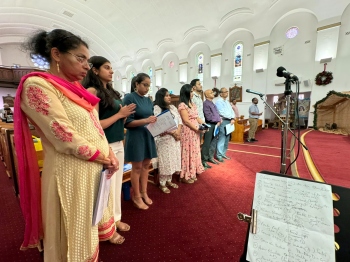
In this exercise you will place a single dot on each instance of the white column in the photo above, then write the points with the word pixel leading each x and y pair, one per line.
pixel 183 72
pixel 261 54
pixel 159 77
pixel 215 65
pixel 327 42
pixel 124 84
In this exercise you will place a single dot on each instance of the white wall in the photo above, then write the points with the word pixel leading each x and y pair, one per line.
pixel 170 77
pixel 298 56
pixel 11 54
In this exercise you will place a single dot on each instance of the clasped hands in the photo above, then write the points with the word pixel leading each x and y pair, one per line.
pixel 111 163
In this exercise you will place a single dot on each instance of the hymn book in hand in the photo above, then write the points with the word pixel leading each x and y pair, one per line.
pixel 102 197
pixel 165 123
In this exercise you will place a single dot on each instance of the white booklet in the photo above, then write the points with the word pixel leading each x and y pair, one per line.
pixel 165 122
pixel 229 128
pixel 102 197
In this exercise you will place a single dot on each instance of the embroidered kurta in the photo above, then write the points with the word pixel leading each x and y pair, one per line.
pixel 69 184
pixel 168 149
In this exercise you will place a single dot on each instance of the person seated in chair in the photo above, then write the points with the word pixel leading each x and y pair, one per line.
pixel 6 111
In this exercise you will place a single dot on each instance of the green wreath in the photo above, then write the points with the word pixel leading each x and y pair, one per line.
pixel 324 78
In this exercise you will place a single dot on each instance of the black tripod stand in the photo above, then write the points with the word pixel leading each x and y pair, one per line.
pixel 285 125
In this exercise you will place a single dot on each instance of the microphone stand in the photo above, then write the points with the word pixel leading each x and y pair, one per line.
pixel 285 127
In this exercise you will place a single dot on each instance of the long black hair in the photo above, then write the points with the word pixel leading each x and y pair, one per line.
pixel 159 101
pixel 108 94
pixel 138 79
pixel 185 94
pixel 42 42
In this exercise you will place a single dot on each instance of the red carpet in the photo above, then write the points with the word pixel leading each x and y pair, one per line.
pixel 330 153
pixel 12 224
pixel 196 222
pixel 302 170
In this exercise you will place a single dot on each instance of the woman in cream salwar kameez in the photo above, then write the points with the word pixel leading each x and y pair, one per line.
pixel 75 148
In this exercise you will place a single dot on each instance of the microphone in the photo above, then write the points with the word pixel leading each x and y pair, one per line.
pixel 282 72
pixel 254 92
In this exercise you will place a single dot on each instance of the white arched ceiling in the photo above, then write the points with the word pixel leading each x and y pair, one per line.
pixel 126 31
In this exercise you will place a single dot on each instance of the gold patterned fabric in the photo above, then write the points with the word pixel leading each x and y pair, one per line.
pixel 70 136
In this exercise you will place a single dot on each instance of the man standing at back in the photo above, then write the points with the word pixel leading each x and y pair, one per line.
pixel 197 97
pixel 253 120
pixel 213 118
pixel 228 117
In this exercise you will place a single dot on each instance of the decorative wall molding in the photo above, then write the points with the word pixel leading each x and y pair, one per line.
pixel 164 41
pixel 243 10
pixel 328 26
pixel 125 58
pixel 262 43
pixel 142 51
pixel 194 29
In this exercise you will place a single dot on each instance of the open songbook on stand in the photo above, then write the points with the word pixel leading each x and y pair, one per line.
pixel 165 123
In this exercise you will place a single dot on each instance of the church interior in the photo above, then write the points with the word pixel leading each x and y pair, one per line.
pixel 293 56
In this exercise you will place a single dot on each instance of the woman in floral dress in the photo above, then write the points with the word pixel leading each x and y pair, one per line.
pixel 190 143
pixel 168 144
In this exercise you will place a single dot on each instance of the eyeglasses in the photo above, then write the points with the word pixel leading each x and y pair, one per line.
pixel 81 60
pixel 145 85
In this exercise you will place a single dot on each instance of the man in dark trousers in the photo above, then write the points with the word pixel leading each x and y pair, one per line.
pixel 212 118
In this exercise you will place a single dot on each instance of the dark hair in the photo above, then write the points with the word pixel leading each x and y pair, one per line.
pixel 108 94
pixel 159 101
pixel 216 91
pixel 138 79
pixel 42 42
pixel 185 94
pixel 194 82
pixel 254 98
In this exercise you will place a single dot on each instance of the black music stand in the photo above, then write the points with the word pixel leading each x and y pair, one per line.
pixel 342 220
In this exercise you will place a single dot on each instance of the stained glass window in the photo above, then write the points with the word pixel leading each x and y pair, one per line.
pixel 150 73
pixel 237 62
pixel 200 63
pixel 292 32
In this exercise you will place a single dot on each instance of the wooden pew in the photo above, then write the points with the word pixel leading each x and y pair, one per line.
pixel 241 130
pixel 5 147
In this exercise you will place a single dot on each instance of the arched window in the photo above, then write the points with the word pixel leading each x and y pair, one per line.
pixel 237 62
pixel 200 63
pixel 150 73
pixel 132 74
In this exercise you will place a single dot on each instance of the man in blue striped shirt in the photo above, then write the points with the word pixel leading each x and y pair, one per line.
pixel 228 117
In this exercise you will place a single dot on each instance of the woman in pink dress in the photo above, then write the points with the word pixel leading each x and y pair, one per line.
pixel 191 163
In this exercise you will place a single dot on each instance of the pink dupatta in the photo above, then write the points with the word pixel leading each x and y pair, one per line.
pixel 28 170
